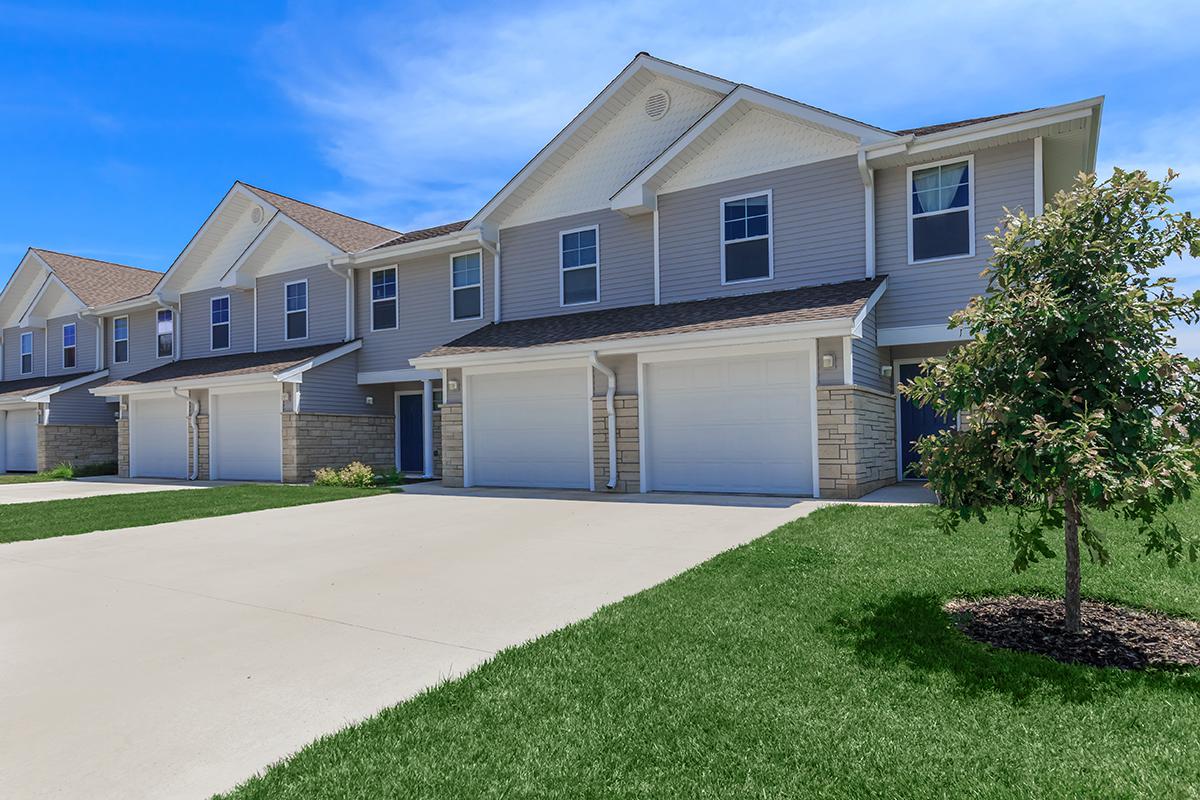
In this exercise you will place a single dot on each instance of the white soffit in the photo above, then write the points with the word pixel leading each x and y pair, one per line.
pixel 749 141
pixel 221 240
pixel 55 300
pixel 284 247
pixel 613 144
pixel 21 289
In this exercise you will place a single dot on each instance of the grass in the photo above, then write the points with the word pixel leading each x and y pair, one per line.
pixel 63 472
pixel 43 520
pixel 814 662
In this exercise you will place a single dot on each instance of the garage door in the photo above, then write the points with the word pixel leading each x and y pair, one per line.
pixel 529 429
pixel 245 441
pixel 20 440
pixel 158 437
pixel 736 424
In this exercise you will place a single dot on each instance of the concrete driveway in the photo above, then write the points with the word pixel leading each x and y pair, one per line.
pixel 176 660
pixel 88 487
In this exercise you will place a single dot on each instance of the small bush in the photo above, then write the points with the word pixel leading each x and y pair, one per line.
pixel 393 478
pixel 63 472
pixel 355 475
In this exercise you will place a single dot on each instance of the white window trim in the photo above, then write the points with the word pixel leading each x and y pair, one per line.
pixel 74 347
pixel 908 212
pixel 479 285
pixel 295 311
pixel 21 353
pixel 769 237
pixel 170 311
pixel 125 340
pixel 394 299
pixel 212 326
pixel 561 284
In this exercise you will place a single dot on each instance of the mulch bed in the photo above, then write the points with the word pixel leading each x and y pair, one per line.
pixel 1112 636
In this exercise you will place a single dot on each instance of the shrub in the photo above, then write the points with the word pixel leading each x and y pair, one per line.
pixel 355 475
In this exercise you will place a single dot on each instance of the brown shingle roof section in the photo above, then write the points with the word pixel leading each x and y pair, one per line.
pixel 807 304
pixel 99 282
pixel 227 366
pixel 962 123
pixel 425 233
pixel 347 233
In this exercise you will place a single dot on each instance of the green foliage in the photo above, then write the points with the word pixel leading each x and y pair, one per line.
pixel 62 472
pixel 1068 375
pixel 355 475
pixel 392 478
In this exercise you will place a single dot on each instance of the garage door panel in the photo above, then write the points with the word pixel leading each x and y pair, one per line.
pixel 158 437
pixel 20 440
pixel 246 435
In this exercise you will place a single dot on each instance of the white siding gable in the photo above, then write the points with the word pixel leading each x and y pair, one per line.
pixel 225 240
pixel 759 141
pixel 284 249
pixel 625 144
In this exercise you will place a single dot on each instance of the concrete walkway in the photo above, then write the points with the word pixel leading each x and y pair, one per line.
pixel 176 660
pixel 89 487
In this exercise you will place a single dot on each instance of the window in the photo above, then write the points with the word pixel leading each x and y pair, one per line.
pixel 383 299
pixel 219 320
pixel 26 352
pixel 579 266
pixel 466 286
pixel 746 238
pixel 295 310
pixel 165 331
pixel 120 340
pixel 942 218
pixel 68 360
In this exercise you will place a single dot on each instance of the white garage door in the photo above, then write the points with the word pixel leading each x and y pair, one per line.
pixel 529 428
pixel 20 440
pixel 158 437
pixel 735 424
pixel 245 443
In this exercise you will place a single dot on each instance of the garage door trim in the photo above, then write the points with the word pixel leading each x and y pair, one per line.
pixel 214 401
pixel 801 346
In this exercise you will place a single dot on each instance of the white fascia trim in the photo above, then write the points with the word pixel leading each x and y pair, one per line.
pixel 125 306
pixel 856 327
pixel 399 376
pixel 167 387
pixel 43 395
pixel 367 258
pixel 38 263
pixel 759 333
pixel 292 374
pixel 233 277
pixel 237 189
pixel 29 319
pixel 919 334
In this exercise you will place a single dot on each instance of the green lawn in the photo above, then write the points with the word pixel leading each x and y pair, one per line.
pixel 20 521
pixel 31 477
pixel 815 662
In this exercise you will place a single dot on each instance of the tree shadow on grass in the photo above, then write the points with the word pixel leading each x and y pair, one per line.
pixel 912 630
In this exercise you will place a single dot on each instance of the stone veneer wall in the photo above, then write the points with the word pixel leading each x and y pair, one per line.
pixel 80 445
pixel 437 442
pixel 312 441
pixel 123 444
pixel 856 440
pixel 628 463
pixel 452 445
pixel 202 434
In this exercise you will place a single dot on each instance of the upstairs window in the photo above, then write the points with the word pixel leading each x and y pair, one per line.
pixel 26 352
pixel 466 286
pixel 165 332
pixel 942 216
pixel 746 238
pixel 384 316
pixel 295 310
pixel 120 340
pixel 219 321
pixel 68 345
pixel 579 262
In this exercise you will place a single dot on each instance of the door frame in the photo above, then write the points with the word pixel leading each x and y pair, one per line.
pixel 396 395
pixel 896 364
pixel 214 395
pixel 805 346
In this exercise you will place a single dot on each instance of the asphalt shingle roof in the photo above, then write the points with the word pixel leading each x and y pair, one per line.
pixel 98 283
pixel 189 369
pixel 962 123
pixel 21 387
pixel 810 303
pixel 425 233
pixel 347 233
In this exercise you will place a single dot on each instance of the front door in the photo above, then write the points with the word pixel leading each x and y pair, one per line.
pixel 915 422
pixel 410 430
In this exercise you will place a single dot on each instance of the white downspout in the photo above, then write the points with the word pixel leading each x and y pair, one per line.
pixel 495 251
pixel 348 276
pixel 610 407
pixel 193 412
pixel 868 178
pixel 657 268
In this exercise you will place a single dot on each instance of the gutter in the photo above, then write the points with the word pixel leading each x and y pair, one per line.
pixel 348 276
pixel 495 251
pixel 612 417
pixel 193 412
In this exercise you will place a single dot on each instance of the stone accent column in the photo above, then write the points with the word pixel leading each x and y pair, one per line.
pixel 437 443
pixel 628 458
pixel 856 440
pixel 452 444
pixel 313 441
pixel 78 445
pixel 202 433
pixel 123 444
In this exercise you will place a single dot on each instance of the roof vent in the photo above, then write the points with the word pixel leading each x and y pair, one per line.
pixel 658 104
pixel 256 215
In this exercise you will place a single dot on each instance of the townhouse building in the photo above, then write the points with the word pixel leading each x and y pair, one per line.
pixel 695 286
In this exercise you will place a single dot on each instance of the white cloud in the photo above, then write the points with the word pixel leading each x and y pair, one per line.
pixel 425 117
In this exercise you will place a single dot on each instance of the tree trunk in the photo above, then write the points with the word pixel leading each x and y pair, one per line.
pixel 1072 619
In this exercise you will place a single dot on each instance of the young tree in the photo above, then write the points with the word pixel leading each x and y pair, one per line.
pixel 1073 397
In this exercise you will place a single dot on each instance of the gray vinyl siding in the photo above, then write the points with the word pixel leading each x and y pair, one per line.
pixel 818 224
pixel 12 353
pixel 867 358
pixel 926 294
pixel 326 308
pixel 85 345
pixel 835 375
pixel 423 307
pixel 142 345
pixel 78 406
pixel 332 388
pixel 529 264
pixel 196 322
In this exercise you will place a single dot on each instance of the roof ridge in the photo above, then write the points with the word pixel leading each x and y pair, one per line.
pixel 94 260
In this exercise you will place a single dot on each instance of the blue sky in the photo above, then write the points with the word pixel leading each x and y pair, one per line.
pixel 122 128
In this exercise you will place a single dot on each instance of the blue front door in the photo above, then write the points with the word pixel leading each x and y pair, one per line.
pixel 411 430
pixel 915 422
